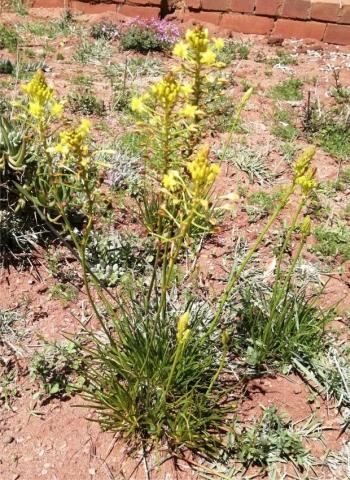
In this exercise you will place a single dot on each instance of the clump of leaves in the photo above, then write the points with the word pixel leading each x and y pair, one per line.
pixel 273 439
pixel 332 241
pixel 328 372
pixel 343 181
pixel 124 171
pixel 259 205
pixel 170 394
pixel 234 51
pixel 149 35
pixel 93 52
pixel 111 257
pixel 19 234
pixel 63 291
pixel 288 90
pixel 9 38
pixel 283 126
pixel 330 128
pixel 58 367
pixel 275 326
pixel 250 162
pixel 107 30
pixel 340 93
pixel 10 332
pixel 283 58
pixel 6 67
pixel 86 102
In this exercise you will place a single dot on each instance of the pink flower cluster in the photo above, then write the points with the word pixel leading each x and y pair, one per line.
pixel 164 31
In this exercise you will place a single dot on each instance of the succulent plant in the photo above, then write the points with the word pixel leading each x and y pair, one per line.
pixel 6 67
pixel 13 148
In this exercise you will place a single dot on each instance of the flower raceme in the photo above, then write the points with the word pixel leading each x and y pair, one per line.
pixel 72 144
pixel 192 188
pixel 182 327
pixel 198 48
pixel 203 173
pixel 304 175
pixel 166 94
pixel 41 101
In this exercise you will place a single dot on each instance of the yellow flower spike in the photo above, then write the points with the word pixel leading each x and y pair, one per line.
pixel 186 89
pixel 218 43
pixel 202 172
pixel 35 109
pixel 170 180
pixel 180 50
pixel 186 336
pixel 57 109
pixel 189 111
pixel 85 126
pixel 182 325
pixel 225 338
pixel 37 89
pixel 303 162
pixel 307 181
pixel 208 58
pixel 306 226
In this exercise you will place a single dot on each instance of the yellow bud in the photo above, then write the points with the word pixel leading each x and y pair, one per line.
pixel 182 325
pixel 306 226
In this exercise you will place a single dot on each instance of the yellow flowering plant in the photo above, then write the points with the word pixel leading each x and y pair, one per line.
pixel 155 373
pixel 199 57
pixel 58 159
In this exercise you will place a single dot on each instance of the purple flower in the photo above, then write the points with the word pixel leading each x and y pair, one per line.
pixel 163 30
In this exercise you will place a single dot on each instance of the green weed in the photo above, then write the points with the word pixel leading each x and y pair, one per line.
pixel 251 162
pixel 93 52
pixel 86 102
pixel 283 58
pixel 329 128
pixel 277 326
pixel 259 205
pixel 113 257
pixel 234 51
pixel 284 125
pixel 289 90
pixel 64 292
pixel 332 241
pixel 9 38
pixel 58 367
pixel 273 439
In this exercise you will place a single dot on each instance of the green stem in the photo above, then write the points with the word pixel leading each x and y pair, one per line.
pixel 288 238
pixel 234 277
pixel 178 352
pixel 218 371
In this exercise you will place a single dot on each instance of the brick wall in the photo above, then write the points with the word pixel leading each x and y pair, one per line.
pixel 324 20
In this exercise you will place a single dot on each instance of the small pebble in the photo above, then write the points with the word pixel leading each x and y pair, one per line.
pixel 8 439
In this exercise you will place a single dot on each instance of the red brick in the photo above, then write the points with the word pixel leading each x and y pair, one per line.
pixel 344 14
pixel 48 4
pixel 296 9
pixel 203 17
pixel 327 10
pixel 87 7
pixel 268 7
pixel 134 11
pixel 145 2
pixel 242 6
pixel 339 34
pixel 195 4
pixel 216 5
pixel 247 23
pixel 296 29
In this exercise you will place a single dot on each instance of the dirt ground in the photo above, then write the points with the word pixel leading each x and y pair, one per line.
pixel 54 439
